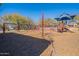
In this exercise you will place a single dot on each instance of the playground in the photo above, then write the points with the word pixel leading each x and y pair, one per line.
pixel 22 42
pixel 40 40
pixel 63 43
pixel 31 32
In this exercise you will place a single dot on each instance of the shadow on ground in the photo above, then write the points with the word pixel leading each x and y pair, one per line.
pixel 13 44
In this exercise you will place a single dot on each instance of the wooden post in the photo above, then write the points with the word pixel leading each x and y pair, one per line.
pixel 3 27
pixel 18 25
pixel 43 26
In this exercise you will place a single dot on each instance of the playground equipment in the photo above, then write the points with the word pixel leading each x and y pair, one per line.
pixel 64 19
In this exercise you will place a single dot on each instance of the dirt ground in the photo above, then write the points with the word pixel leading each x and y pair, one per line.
pixel 65 44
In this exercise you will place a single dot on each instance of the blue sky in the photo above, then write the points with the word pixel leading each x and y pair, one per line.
pixel 34 10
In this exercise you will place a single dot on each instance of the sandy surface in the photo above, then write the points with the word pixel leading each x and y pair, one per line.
pixel 65 44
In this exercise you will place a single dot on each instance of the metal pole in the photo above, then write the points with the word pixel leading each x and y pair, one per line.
pixel 42 25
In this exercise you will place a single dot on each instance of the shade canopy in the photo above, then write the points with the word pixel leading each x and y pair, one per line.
pixel 65 18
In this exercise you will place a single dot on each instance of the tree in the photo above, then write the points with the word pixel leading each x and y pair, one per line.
pixel 13 18
pixel 16 18
pixel 48 22
pixel 77 18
